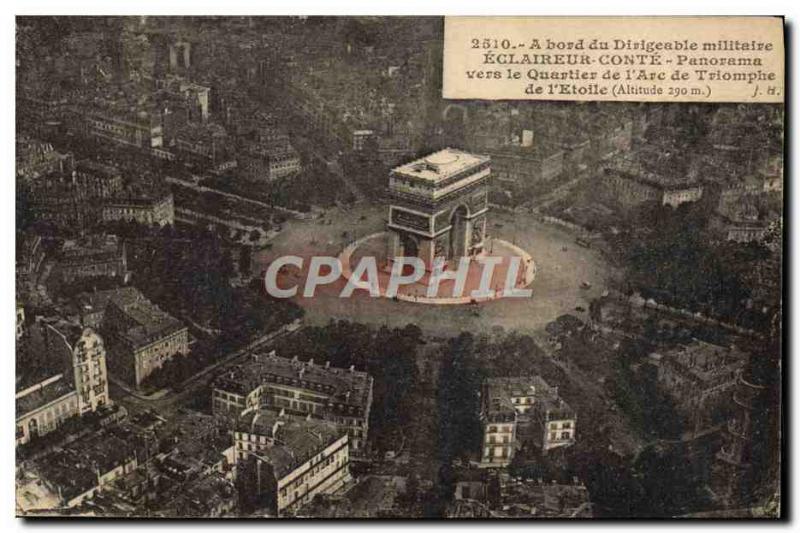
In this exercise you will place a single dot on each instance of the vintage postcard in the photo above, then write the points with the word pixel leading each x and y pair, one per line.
pixel 399 267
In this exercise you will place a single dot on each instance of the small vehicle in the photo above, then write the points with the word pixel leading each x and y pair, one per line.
pixel 586 285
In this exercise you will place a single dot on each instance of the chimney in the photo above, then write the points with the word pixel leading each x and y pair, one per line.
pixel 327 364
pixel 352 368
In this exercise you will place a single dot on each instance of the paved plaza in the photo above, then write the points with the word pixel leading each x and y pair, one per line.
pixel 561 268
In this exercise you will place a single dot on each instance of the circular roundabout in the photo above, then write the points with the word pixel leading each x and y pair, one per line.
pixel 510 271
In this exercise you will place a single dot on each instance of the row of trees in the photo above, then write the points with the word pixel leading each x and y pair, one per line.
pixel 669 256
pixel 388 355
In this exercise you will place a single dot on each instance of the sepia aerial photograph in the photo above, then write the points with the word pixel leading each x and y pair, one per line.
pixel 266 270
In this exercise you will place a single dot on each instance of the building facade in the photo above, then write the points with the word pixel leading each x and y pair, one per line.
pixel 259 163
pixel 147 210
pixel 141 336
pixel 439 206
pixel 72 198
pixel 292 459
pixel 29 257
pixel 631 185
pixel 340 396
pixel 80 387
pixel 519 411
pixel 44 406
pixel 95 256
pixel 116 124
pixel 699 377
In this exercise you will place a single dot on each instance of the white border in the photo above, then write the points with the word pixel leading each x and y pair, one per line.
pixel 373 7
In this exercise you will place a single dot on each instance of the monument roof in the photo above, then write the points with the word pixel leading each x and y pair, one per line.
pixel 441 165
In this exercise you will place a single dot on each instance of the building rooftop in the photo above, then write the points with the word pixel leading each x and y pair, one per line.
pixel 296 439
pixel 441 165
pixel 702 361
pixel 97 168
pixel 672 173
pixel 146 322
pixel 45 351
pixel 74 469
pixel 89 245
pixel 520 498
pixel 38 395
pixel 498 392
pixel 91 302
pixel 342 386
pixel 201 497
pixel 203 438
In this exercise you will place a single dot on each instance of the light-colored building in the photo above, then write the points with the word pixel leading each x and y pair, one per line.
pixel 141 336
pixel 338 395
pixel 292 459
pixel 20 321
pixel 681 195
pixel 554 422
pixel 74 383
pixel 631 184
pixel 44 406
pixel 265 163
pixel 362 140
pixel 520 410
pixel 122 121
pixel 147 210
pixel 747 231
